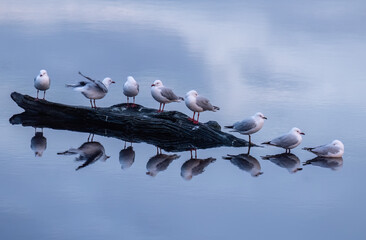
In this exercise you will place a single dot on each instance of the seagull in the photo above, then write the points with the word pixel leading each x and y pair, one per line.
pixel 285 160
pixel 287 141
pixel 131 89
pixel 249 126
pixel 198 104
pixel 194 167
pixel 246 162
pixel 89 151
pixel 126 157
pixel 38 144
pixel 92 89
pixel 159 162
pixel 334 149
pixel 163 94
pixel 42 82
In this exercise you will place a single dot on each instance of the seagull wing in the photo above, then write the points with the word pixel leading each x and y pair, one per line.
pixel 169 94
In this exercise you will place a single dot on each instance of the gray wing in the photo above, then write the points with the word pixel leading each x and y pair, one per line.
pixel 245 125
pixel 285 141
pixel 204 103
pixel 92 80
pixel 169 94
pixel 101 86
pixel 325 149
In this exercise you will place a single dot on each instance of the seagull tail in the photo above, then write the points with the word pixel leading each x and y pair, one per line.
pixel 229 126
pixel 180 99
pixel 71 151
pixel 228 157
pixel 72 85
pixel 267 143
pixel 215 108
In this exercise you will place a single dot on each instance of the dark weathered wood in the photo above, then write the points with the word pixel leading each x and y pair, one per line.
pixel 171 131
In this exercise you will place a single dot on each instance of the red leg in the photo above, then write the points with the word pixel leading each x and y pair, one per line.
pixel 192 119
pixel 159 108
pixel 163 107
pixel 44 95
pixel 133 105
pixel 95 105
pixel 91 103
pixel 198 116
pixel 37 94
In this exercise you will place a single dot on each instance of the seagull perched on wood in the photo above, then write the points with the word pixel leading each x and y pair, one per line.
pixel 198 104
pixel 131 89
pixel 163 94
pixel 249 126
pixel 42 82
pixel 334 149
pixel 288 141
pixel 92 89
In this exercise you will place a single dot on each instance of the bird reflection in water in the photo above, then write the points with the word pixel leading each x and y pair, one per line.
pixel 246 163
pixel 285 160
pixel 38 143
pixel 159 162
pixel 90 152
pixel 195 166
pixel 126 157
pixel 332 163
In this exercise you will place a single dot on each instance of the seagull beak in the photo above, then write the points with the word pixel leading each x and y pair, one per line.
pixel 113 82
pixel 302 133
pixel 264 117
pixel 153 85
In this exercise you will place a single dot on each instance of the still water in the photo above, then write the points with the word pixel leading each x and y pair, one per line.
pixel 301 64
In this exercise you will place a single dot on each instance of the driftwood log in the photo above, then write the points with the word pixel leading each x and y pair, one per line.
pixel 171 131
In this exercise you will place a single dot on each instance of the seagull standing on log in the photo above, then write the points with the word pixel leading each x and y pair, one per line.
pixel 131 89
pixel 163 94
pixel 92 89
pixel 197 103
pixel 42 82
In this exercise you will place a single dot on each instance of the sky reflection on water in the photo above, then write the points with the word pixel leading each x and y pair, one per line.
pixel 301 64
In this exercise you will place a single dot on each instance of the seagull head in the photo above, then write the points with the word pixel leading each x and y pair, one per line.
pixel 157 83
pixel 338 144
pixel 297 130
pixel 108 81
pixel 192 93
pixel 260 115
pixel 131 79
pixel 42 73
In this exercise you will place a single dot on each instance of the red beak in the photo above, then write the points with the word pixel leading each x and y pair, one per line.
pixel 302 133
pixel 152 85
pixel 113 82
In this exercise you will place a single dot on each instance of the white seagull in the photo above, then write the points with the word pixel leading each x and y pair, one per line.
pixel 246 162
pixel 334 149
pixel 126 157
pixel 92 89
pixel 159 162
pixel 249 126
pixel 131 89
pixel 287 141
pixel 198 104
pixel 42 82
pixel 163 94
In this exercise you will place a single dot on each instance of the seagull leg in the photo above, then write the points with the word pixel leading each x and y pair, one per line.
pixel 250 140
pixel 37 94
pixel 133 105
pixel 249 149
pixel 127 101
pixel 192 119
pixel 44 95
pixel 163 107
pixel 95 106
pixel 198 116
pixel 91 103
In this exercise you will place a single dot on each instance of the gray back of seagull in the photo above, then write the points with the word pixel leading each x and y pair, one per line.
pixel 204 103
pixel 285 141
pixel 245 125
pixel 169 94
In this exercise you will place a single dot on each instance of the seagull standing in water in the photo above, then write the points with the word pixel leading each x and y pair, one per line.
pixel 42 82
pixel 198 104
pixel 288 141
pixel 334 149
pixel 92 89
pixel 131 89
pixel 249 126
pixel 163 94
